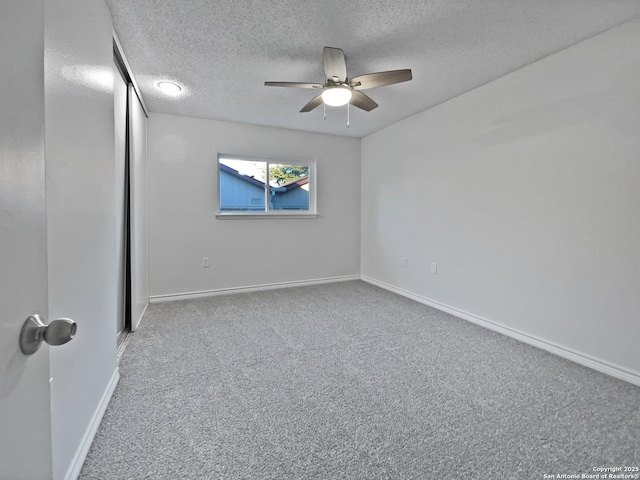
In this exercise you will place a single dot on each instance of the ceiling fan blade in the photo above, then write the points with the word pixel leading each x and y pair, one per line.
pixel 293 84
pixel 334 64
pixel 372 80
pixel 360 100
pixel 316 102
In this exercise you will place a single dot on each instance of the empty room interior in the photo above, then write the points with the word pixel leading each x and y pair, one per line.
pixel 320 240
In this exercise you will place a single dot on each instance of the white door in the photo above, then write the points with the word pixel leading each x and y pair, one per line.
pixel 57 251
pixel 138 208
pixel 130 123
pixel 25 423
pixel 120 125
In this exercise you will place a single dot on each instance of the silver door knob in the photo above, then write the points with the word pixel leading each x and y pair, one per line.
pixel 34 332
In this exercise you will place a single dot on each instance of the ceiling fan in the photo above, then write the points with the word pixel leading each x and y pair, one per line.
pixel 338 89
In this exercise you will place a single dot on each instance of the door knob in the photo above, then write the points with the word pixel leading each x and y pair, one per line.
pixel 34 332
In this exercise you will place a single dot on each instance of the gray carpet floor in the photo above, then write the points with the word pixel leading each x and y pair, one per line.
pixel 349 381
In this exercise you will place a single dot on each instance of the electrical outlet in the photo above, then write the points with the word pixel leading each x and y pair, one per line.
pixel 434 268
pixel 405 262
pixel 205 262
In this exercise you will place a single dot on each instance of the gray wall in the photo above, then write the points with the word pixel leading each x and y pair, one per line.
pixel 182 206
pixel 525 194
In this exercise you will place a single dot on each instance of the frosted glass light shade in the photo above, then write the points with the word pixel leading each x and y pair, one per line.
pixel 336 96
pixel 169 88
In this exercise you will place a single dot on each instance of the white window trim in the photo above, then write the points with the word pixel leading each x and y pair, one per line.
pixel 262 216
pixel 270 214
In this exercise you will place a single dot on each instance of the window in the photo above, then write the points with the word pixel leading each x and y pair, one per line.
pixel 260 187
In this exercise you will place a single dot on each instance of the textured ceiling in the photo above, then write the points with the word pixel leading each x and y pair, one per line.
pixel 223 51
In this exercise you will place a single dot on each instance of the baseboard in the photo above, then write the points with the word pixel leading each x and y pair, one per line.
pixel 136 325
pixel 569 354
pixel 81 454
pixel 252 288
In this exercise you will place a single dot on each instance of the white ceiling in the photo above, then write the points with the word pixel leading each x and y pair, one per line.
pixel 223 51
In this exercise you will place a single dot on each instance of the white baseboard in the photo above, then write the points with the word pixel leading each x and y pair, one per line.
pixel 569 354
pixel 252 288
pixel 136 324
pixel 81 454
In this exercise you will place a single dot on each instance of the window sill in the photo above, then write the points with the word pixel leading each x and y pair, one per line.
pixel 263 216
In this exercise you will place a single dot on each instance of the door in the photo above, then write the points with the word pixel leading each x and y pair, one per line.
pixel 120 127
pixel 138 209
pixel 25 424
pixel 57 249
pixel 130 121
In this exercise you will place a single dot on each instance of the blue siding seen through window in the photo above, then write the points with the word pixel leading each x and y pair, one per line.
pixel 238 195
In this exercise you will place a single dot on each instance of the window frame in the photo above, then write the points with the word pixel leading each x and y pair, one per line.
pixel 312 212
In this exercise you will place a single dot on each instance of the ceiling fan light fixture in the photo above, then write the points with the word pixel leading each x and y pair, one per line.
pixel 336 96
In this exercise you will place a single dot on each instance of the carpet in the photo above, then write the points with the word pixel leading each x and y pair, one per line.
pixel 349 381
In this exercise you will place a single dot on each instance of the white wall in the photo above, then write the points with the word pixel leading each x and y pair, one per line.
pixel 182 205
pixel 525 193
pixel 80 185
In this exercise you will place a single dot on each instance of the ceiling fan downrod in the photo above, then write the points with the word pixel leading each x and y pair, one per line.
pixel 348 120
